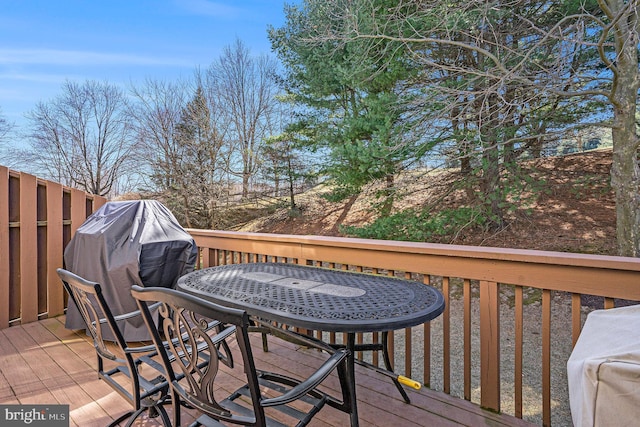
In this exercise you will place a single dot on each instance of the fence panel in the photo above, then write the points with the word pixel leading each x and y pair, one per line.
pixel 37 219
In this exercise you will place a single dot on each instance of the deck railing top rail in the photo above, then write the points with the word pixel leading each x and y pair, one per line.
pixel 610 276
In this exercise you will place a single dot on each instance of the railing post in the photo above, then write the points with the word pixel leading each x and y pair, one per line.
pixel 489 345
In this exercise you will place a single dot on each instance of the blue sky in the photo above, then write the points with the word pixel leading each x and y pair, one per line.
pixel 45 42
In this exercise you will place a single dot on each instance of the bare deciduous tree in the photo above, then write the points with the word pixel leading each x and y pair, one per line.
pixel 82 137
pixel 10 155
pixel 182 140
pixel 5 128
pixel 244 90
pixel 156 113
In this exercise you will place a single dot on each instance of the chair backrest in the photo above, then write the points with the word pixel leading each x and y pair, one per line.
pixel 184 324
pixel 88 298
pixel 131 370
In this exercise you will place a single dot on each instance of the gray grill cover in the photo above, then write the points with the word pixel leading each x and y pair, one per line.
pixel 126 243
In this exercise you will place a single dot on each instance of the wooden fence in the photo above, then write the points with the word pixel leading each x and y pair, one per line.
pixel 37 220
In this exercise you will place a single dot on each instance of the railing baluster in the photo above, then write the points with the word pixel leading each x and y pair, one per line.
pixel 466 292
pixel 375 337
pixel 391 339
pixel 426 346
pixel 54 248
pixel 518 350
pixel 29 245
pixel 446 337
pixel 546 357
pixel 408 344
pixel 375 357
pixel 609 303
pixel 576 318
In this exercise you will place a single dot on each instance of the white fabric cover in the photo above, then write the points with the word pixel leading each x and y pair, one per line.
pixel 604 369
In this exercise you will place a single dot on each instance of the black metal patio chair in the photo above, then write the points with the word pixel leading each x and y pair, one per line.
pixel 182 314
pixel 133 371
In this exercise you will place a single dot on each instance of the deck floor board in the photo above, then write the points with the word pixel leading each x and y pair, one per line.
pixel 43 362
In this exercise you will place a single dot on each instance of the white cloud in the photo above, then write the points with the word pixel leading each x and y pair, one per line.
pixel 210 8
pixel 76 57
pixel 34 77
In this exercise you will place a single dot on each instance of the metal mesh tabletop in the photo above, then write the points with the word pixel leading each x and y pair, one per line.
pixel 317 298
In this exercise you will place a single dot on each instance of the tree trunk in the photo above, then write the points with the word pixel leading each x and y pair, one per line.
pixel 491 185
pixel 387 204
pixel 245 184
pixel 625 173
pixel 625 179
pixel 292 195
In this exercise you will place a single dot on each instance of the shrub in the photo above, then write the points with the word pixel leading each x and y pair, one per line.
pixel 419 225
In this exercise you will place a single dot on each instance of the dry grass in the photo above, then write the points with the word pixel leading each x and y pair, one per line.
pixel 572 208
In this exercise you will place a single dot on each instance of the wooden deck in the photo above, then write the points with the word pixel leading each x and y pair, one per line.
pixel 42 363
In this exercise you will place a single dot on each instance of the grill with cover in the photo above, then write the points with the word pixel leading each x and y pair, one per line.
pixel 129 243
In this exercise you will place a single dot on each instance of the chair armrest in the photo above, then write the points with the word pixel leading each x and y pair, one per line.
pixel 216 340
pixel 134 313
pixel 129 315
pixel 151 348
pixel 310 383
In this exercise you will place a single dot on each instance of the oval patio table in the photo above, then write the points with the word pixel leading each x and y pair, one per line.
pixel 319 299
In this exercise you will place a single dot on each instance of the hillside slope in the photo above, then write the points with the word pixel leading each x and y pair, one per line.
pixel 573 209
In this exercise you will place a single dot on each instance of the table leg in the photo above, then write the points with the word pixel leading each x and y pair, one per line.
pixel 351 378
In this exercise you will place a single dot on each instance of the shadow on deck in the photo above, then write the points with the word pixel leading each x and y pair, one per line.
pixel 44 363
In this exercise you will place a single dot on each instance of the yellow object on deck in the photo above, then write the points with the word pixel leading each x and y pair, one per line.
pixel 409 382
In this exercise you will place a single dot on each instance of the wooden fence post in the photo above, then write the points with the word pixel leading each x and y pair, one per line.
pixel 4 247
pixel 55 247
pixel 28 248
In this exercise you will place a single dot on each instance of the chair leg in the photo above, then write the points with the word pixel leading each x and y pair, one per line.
pixel 135 415
pixel 154 411
pixel 121 418
pixel 387 364
pixel 163 414
pixel 155 408
pixel 158 410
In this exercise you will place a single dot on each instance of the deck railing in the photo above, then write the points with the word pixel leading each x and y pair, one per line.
pixel 507 304
pixel 37 220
